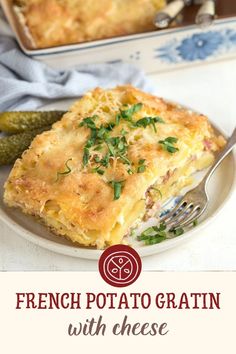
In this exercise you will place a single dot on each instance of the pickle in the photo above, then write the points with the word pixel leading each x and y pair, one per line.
pixel 17 122
pixel 12 147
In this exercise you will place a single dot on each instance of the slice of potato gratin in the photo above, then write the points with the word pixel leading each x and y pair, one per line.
pixel 110 162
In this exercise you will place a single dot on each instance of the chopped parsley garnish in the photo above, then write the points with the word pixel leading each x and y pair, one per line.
pixel 98 147
pixel 110 126
pixel 118 118
pixel 125 160
pixel 112 147
pixel 141 166
pixel 98 170
pixel 97 138
pixel 144 122
pixel 178 231
pixel 123 132
pixel 153 234
pixel 102 133
pixel 66 172
pixel 90 142
pixel 89 122
pixel 128 113
pixel 157 190
pixel 117 187
pixel 105 160
pixel 195 223
pixel 130 172
pixel 118 147
pixel 86 156
pixel 168 144
pixel 96 158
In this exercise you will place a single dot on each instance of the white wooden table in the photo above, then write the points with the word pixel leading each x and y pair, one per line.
pixel 210 89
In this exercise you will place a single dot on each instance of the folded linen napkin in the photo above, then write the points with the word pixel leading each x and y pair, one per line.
pixel 27 84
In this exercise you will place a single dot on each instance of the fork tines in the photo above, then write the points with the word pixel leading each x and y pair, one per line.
pixel 183 214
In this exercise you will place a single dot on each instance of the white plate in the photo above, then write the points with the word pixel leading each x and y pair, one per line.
pixel 220 189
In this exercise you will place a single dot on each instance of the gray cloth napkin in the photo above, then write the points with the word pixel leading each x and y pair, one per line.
pixel 26 84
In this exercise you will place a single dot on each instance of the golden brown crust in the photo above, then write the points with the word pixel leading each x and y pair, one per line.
pixel 80 204
pixel 58 22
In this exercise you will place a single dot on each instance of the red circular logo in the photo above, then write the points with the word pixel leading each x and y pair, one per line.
pixel 120 265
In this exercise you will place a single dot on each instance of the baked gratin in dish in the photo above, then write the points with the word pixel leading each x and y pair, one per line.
pixel 109 163
pixel 57 22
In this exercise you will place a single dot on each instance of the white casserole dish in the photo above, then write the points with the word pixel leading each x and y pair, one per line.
pixel 154 51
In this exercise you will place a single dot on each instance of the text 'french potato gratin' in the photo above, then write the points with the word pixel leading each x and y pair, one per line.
pixel 58 22
pixel 110 163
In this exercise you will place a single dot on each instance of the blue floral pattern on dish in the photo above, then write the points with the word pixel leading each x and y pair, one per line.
pixel 197 47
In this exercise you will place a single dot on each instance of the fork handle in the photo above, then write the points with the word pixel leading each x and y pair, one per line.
pixel 229 146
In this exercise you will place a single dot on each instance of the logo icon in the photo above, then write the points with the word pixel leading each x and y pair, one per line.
pixel 120 265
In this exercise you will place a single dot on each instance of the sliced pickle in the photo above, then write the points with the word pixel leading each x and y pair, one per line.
pixel 17 122
pixel 12 147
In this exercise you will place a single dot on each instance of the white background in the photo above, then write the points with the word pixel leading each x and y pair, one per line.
pixel 210 89
pixel 192 331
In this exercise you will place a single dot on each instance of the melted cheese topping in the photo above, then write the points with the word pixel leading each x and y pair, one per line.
pixel 58 22
pixel 81 205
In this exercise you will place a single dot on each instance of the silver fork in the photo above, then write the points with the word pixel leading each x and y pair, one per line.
pixel 193 204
